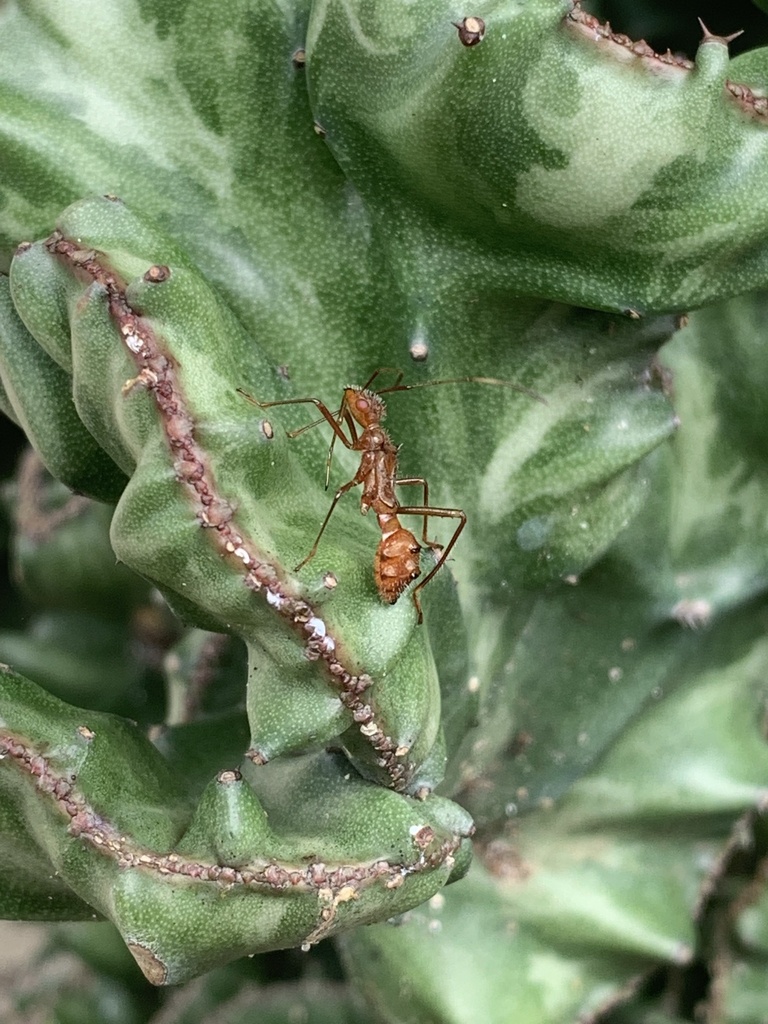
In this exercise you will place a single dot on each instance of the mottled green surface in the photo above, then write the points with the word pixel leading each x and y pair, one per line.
pixel 589 681
pixel 555 165
pixel 606 777
pixel 132 811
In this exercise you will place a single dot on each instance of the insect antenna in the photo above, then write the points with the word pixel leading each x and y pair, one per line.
pixel 466 380
pixel 377 373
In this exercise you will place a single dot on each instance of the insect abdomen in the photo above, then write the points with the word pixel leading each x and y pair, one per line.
pixel 396 564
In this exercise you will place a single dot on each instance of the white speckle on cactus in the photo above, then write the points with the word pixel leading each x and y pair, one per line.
pixel 692 612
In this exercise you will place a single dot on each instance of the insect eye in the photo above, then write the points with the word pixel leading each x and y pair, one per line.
pixel 362 404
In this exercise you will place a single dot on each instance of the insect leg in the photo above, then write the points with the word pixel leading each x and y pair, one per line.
pixel 326 413
pixel 340 493
pixel 423 483
pixel 440 513
pixel 343 416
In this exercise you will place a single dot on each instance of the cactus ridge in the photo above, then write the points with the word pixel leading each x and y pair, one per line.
pixel 601 33
pixel 623 47
pixel 338 884
pixel 92 827
pixel 215 513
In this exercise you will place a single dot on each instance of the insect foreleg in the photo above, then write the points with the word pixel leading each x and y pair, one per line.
pixel 342 415
pixel 326 413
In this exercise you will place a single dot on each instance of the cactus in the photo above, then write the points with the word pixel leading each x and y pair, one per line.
pixel 221 751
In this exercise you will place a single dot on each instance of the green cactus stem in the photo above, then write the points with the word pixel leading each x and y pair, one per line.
pixel 560 157
pixel 118 830
pixel 310 191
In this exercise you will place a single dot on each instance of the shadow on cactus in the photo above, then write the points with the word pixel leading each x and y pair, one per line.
pixel 345 189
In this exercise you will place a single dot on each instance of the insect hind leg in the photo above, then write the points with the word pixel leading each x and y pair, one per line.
pixel 438 513
pixel 420 481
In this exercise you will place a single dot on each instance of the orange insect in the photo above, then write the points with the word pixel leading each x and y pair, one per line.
pixel 396 562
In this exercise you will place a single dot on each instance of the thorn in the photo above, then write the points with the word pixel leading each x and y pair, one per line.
pixel 709 37
pixel 471 30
